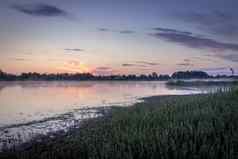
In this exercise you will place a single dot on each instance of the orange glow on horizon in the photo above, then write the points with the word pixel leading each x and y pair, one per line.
pixel 75 67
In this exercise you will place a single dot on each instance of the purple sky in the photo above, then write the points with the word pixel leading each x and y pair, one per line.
pixel 118 37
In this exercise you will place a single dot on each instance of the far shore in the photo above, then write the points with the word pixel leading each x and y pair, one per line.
pixel 202 82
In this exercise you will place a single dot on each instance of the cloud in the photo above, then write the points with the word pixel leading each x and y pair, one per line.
pixel 116 31
pixel 148 63
pixel 230 56
pixel 184 64
pixel 103 68
pixel 194 41
pixel 73 49
pixel 43 10
pixel 133 65
pixel 18 59
pixel 167 30
pixel 140 64
pixel 103 29
pixel 223 50
pixel 216 22
pixel 128 65
pixel 127 32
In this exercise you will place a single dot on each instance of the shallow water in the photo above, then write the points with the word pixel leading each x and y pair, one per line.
pixel 28 109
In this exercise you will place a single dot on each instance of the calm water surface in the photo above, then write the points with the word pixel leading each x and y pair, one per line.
pixel 42 107
pixel 22 102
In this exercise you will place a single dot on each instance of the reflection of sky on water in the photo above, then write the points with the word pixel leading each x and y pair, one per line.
pixel 32 108
pixel 27 101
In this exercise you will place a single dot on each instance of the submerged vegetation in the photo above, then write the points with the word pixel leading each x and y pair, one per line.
pixel 192 127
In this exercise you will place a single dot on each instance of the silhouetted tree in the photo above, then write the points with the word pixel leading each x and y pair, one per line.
pixel 1 72
pixel 189 74
pixel 164 77
pixel 88 76
pixel 154 75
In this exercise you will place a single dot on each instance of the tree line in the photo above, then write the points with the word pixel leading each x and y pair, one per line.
pixel 88 76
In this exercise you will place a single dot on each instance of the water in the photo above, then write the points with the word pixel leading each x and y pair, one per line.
pixel 28 109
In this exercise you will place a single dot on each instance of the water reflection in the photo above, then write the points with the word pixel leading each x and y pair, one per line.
pixel 22 102
pixel 32 108
pixel 14 135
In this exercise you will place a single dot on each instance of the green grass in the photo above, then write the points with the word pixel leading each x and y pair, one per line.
pixel 186 127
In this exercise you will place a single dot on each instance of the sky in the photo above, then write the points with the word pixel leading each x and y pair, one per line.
pixel 118 36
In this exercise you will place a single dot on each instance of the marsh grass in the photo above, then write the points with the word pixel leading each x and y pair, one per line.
pixel 192 127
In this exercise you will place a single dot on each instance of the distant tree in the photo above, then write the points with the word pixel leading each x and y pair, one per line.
pixel 131 77
pixel 190 74
pixel 143 77
pixel 154 75
pixel 2 75
pixel 164 77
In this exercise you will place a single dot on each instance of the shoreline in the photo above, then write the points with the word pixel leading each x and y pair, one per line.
pixel 102 112
pixel 99 111
pixel 17 139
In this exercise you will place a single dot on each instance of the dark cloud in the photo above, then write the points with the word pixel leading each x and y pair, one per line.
pixel 128 65
pixel 199 42
pixel 74 49
pixel 103 68
pixel 140 64
pixel 116 31
pixel 126 31
pixel 133 65
pixel 39 10
pixel 224 23
pixel 194 41
pixel 103 29
pixel 167 30
pixel 148 63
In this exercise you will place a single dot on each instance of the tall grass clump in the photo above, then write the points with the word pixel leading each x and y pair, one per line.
pixel 186 127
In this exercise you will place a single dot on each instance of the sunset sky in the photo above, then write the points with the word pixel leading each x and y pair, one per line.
pixel 118 36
